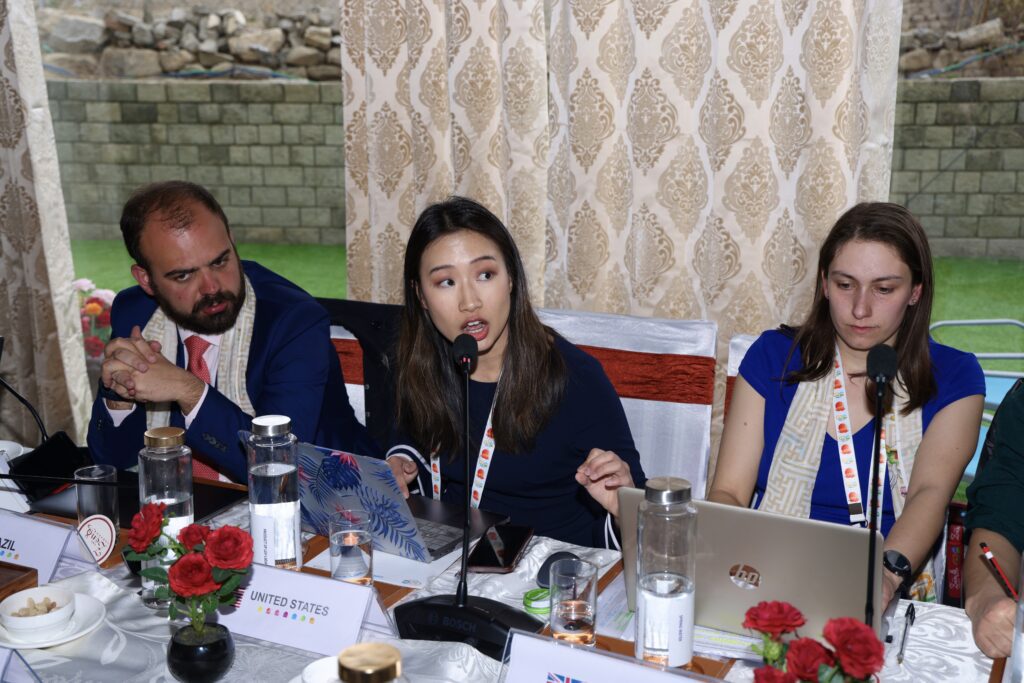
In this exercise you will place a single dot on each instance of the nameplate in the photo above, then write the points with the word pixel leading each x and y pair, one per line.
pixel 301 610
pixel 34 542
pixel 13 668
pixel 535 658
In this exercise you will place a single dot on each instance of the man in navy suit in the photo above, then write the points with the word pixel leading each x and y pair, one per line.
pixel 207 342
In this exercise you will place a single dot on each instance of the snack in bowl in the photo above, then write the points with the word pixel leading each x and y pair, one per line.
pixel 37 613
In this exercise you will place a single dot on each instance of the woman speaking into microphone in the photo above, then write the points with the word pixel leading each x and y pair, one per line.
pixel 547 431
pixel 799 435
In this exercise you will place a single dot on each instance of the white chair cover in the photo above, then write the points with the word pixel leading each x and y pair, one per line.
pixel 673 438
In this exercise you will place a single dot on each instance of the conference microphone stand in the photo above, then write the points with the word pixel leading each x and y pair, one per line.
pixel 881 368
pixel 479 622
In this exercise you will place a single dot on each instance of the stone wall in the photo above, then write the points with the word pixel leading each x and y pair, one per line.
pixel 959 164
pixel 271 152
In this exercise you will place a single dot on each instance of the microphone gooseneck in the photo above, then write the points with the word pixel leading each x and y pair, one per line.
pixel 881 368
pixel 464 352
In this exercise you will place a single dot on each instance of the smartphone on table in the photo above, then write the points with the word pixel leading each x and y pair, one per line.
pixel 500 548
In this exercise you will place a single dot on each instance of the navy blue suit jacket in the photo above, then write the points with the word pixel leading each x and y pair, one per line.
pixel 293 370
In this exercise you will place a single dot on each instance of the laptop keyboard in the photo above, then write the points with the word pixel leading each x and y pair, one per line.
pixel 439 538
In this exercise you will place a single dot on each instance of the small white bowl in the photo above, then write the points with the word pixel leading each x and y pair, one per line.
pixel 322 671
pixel 42 625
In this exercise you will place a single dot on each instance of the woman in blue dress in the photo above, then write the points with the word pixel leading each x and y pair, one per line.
pixel 799 433
pixel 547 432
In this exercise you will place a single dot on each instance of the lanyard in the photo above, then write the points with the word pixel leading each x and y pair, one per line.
pixel 483 463
pixel 847 453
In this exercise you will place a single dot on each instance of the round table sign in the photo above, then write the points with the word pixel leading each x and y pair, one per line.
pixel 99 535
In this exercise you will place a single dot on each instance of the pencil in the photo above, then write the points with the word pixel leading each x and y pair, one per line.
pixel 999 570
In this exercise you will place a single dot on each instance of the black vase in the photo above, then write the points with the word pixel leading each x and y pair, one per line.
pixel 195 658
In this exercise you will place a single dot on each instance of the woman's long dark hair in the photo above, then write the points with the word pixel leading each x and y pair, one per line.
pixel 533 374
pixel 893 225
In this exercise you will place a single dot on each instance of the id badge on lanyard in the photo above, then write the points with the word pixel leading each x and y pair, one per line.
pixel 847 453
pixel 483 464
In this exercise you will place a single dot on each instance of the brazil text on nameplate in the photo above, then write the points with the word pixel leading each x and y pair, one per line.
pixel 534 658
pixel 299 610
pixel 35 542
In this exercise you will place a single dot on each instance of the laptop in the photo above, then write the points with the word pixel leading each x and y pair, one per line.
pixel 747 556
pixel 419 528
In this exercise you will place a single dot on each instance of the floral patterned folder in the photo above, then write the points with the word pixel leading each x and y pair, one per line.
pixel 330 481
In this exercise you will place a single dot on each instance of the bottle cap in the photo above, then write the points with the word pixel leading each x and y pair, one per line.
pixel 667 490
pixel 271 425
pixel 164 437
pixel 369 663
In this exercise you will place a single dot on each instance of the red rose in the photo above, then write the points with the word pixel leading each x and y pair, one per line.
pixel 768 674
pixel 146 526
pixel 191 575
pixel 95 300
pixel 103 319
pixel 774 618
pixel 94 346
pixel 229 548
pixel 858 650
pixel 193 535
pixel 804 656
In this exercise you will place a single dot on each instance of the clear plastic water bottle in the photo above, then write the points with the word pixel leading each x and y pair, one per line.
pixel 1014 669
pixel 274 515
pixel 165 476
pixel 667 536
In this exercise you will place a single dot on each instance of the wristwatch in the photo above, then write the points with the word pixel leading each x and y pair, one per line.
pixel 897 563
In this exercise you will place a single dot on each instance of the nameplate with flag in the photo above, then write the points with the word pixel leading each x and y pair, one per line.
pixel 39 543
pixel 13 668
pixel 301 610
pixel 534 658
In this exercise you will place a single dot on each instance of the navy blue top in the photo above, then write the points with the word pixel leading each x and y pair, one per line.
pixel 957 375
pixel 538 488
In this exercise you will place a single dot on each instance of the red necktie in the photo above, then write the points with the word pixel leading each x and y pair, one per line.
pixel 196 347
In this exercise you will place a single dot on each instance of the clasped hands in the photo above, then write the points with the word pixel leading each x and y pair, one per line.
pixel 135 370
pixel 600 474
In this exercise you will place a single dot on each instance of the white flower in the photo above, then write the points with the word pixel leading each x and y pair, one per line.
pixel 106 295
pixel 83 284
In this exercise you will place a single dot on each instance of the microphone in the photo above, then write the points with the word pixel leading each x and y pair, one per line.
pixel 882 369
pixel 56 454
pixel 464 352
pixel 479 622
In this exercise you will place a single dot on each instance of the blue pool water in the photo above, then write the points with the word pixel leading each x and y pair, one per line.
pixel 995 390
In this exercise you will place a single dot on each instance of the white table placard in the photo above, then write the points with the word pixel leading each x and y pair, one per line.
pixel 301 610
pixel 36 542
pixel 14 669
pixel 534 658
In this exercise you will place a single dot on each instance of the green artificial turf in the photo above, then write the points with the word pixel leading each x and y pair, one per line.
pixel 320 270
pixel 972 289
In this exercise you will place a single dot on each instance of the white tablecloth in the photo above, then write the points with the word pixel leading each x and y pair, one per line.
pixel 131 644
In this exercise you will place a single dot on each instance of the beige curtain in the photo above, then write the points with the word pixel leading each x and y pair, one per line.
pixel 43 354
pixel 677 158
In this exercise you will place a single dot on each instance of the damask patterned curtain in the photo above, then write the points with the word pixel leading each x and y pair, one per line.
pixel 43 356
pixel 677 158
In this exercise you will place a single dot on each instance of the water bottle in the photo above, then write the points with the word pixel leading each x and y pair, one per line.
pixel 274 517
pixel 165 476
pixel 667 537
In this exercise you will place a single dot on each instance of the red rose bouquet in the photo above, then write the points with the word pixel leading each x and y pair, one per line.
pixel 857 654
pixel 209 565
pixel 94 309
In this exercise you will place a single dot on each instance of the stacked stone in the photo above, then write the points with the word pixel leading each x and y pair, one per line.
pixel 192 42
pixel 923 49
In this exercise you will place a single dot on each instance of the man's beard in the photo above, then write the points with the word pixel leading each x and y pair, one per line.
pixel 201 323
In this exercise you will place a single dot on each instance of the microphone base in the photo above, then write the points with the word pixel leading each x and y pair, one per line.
pixel 482 623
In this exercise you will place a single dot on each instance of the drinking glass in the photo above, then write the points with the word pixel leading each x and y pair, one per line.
pixel 97 500
pixel 574 602
pixel 351 547
pixel 1014 669
pixel 97 509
